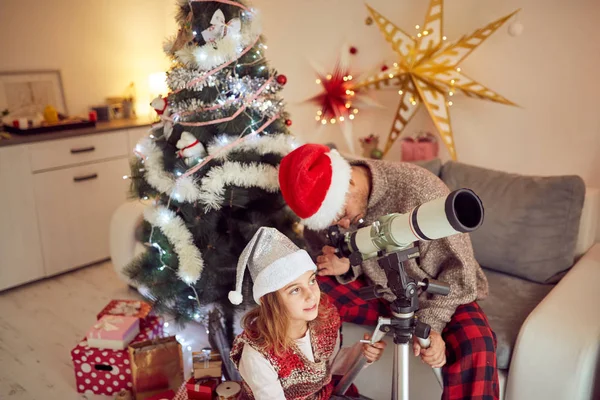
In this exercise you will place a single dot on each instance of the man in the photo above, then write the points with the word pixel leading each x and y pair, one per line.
pixel 324 189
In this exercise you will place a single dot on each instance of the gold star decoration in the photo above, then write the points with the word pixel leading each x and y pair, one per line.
pixel 428 73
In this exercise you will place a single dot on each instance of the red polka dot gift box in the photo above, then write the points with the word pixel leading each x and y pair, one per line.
pixel 106 371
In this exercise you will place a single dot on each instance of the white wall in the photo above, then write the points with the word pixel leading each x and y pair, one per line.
pixel 100 46
pixel 549 70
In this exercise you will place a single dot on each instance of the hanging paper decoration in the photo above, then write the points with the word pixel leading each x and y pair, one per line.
pixel 428 71
pixel 338 102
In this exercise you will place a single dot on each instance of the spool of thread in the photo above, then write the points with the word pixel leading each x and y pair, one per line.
pixel 228 390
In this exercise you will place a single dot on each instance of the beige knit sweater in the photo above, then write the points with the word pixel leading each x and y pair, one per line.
pixel 397 188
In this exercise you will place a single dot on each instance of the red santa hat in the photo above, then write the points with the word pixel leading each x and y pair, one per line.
pixel 314 181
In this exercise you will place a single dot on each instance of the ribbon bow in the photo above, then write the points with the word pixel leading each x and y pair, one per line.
pixel 205 356
pixel 126 308
pixel 219 29
pixel 107 324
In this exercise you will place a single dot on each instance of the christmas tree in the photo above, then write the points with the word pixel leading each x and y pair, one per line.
pixel 209 167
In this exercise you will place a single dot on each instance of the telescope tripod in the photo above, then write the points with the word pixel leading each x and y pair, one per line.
pixel 403 323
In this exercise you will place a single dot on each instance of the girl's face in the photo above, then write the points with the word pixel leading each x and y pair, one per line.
pixel 301 297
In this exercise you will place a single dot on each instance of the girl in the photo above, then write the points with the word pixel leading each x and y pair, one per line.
pixel 289 346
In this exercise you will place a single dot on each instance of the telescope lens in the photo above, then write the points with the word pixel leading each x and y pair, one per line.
pixel 464 210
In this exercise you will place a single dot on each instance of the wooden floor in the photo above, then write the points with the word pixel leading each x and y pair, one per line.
pixel 41 322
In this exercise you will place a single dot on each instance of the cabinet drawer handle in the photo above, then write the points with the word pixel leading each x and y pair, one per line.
pixel 83 150
pixel 85 177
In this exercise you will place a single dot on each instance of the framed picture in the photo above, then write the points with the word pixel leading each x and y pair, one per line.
pixel 25 93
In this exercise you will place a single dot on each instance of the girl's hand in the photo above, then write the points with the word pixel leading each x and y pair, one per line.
pixel 373 352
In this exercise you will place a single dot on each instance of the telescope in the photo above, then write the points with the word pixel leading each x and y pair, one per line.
pixel 391 240
pixel 459 212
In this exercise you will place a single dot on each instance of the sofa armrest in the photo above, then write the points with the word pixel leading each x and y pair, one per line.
pixel 558 349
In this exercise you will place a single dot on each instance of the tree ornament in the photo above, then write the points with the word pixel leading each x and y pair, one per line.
pixel 353 50
pixel 159 104
pixel 281 79
pixel 190 148
pixel 288 122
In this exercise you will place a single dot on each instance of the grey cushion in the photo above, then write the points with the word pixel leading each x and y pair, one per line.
pixel 434 165
pixel 510 301
pixel 531 223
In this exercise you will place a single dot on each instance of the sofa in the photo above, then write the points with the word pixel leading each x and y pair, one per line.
pixel 539 248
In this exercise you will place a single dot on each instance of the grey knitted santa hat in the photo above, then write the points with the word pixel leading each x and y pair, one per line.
pixel 273 261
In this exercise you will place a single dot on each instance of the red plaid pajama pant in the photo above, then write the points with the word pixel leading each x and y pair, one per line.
pixel 471 369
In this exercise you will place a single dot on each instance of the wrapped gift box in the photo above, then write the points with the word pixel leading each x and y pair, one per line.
pixel 168 395
pixel 97 370
pixel 424 147
pixel 207 365
pixel 129 308
pixel 201 389
pixel 156 366
pixel 113 332
pixel 101 371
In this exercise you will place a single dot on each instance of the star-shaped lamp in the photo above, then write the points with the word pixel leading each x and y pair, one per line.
pixel 428 71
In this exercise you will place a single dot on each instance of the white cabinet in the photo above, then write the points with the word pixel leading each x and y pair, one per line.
pixel 56 201
pixel 74 209
pixel 135 134
pixel 20 251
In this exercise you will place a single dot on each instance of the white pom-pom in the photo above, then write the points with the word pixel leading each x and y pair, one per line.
pixel 235 297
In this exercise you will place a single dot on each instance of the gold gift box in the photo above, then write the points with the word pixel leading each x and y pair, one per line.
pixel 206 368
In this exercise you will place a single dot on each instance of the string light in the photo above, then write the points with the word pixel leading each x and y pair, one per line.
pixel 452 82
pixel 444 38
pixel 419 34
pixel 319 112
pixel 400 92
pixel 450 103
pixel 341 119
pixel 329 77
pixel 355 111
pixel 391 76
pixel 125 177
pixel 417 27
pixel 450 93
pixel 332 120
pixel 324 121
pixel 318 81
pixel 191 298
pixel 317 118
pixel 425 33
pixel 351 116
pixel 348 105
pixel 166 324
pixel 349 77
pixel 458 69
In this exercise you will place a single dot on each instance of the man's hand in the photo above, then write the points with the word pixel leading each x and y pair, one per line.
pixel 330 264
pixel 373 352
pixel 435 355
